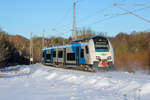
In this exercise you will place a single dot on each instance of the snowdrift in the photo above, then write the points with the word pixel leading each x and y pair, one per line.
pixel 38 82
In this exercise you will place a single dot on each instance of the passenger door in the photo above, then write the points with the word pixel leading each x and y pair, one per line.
pixel 64 56
pixel 77 55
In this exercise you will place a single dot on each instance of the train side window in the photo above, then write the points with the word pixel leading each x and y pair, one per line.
pixel 47 56
pixel 60 54
pixel 54 53
pixel 82 53
pixel 43 54
pixel 87 50
pixel 71 56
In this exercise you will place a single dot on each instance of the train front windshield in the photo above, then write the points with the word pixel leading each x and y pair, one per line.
pixel 101 44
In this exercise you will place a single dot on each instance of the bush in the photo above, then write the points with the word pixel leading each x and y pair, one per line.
pixel 132 51
pixel 6 49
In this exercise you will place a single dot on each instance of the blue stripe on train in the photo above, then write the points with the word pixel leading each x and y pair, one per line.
pixel 74 49
pixel 51 55
pixel 74 46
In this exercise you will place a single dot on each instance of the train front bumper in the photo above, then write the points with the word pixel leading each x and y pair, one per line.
pixel 103 65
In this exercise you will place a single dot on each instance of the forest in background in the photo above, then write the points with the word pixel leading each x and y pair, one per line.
pixel 132 51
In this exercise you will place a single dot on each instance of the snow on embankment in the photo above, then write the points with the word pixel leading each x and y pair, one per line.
pixel 38 82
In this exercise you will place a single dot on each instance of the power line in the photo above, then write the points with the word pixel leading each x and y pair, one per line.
pixel 119 14
pixel 134 4
pixel 110 17
pixel 62 18
pixel 99 21
pixel 67 12
pixel 122 0
pixel 132 13
pixel 114 16
pixel 87 17
pixel 78 1
pixel 60 31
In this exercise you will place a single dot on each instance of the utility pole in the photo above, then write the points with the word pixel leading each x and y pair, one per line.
pixel 74 33
pixel 31 49
pixel 43 40
pixel 149 57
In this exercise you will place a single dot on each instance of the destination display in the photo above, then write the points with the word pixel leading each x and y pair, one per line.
pixel 102 43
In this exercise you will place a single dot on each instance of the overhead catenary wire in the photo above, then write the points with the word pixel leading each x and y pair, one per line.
pixel 68 11
pixel 61 32
pixel 89 16
pixel 62 18
pixel 117 15
pixel 111 17
pixel 122 0
pixel 86 18
pixel 78 1
pixel 134 4
pixel 132 13
pixel 74 20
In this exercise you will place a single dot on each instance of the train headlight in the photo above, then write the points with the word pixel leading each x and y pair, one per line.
pixel 109 58
pixel 98 57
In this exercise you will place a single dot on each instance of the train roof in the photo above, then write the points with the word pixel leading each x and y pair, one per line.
pixel 76 42
pixel 64 46
pixel 98 37
pixel 87 39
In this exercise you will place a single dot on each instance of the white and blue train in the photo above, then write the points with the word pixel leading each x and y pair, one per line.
pixel 88 54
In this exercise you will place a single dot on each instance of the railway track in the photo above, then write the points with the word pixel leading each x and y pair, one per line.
pixel 80 68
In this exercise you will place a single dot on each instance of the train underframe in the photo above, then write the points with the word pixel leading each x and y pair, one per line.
pixel 95 67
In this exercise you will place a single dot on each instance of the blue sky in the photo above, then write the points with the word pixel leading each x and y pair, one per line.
pixel 55 16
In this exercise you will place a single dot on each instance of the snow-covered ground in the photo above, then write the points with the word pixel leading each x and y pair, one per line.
pixel 38 82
